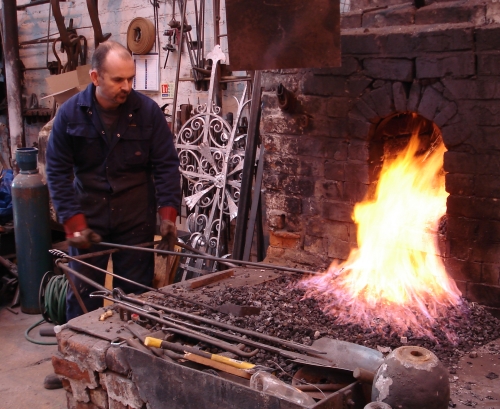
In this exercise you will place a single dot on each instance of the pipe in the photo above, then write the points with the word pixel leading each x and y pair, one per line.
pixel 207 257
pixel 10 38
pixel 32 3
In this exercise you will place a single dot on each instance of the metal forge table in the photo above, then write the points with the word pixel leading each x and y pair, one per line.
pixel 97 363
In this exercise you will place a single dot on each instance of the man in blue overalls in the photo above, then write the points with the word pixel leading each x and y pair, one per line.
pixel 111 165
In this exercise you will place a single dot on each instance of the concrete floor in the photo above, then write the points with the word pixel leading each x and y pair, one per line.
pixel 24 365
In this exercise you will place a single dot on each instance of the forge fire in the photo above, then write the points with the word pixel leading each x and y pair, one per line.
pixel 396 275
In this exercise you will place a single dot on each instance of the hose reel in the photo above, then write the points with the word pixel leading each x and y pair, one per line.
pixel 141 35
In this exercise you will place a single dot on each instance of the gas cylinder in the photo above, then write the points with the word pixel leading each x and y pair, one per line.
pixel 30 205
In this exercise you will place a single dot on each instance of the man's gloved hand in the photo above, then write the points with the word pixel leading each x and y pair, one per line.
pixel 84 239
pixel 168 231
pixel 78 233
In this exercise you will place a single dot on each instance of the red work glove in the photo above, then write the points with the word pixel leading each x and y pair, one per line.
pixel 168 231
pixel 78 233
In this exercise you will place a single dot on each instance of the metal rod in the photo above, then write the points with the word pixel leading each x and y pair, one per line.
pixel 186 331
pixel 177 73
pixel 208 321
pixel 248 169
pixel 13 75
pixel 60 264
pixel 146 287
pixel 212 258
pixel 32 3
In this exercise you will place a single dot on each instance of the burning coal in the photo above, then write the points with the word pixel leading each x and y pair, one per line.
pixel 395 276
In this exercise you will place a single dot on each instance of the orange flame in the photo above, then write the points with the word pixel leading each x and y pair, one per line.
pixel 395 276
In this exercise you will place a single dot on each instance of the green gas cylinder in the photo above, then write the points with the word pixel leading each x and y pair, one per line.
pixel 30 205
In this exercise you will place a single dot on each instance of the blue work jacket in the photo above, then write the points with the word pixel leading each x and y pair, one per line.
pixel 113 182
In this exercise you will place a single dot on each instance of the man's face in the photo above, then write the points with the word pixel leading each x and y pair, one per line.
pixel 114 82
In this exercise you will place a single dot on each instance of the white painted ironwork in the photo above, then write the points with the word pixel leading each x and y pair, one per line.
pixel 211 157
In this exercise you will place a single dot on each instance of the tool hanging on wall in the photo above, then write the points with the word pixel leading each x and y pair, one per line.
pixel 141 35
pixel 169 47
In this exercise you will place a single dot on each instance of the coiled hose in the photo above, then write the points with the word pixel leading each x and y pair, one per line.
pixel 52 300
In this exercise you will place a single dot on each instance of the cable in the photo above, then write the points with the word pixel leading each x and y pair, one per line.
pixel 52 300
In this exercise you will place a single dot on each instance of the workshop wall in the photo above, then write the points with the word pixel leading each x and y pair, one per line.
pixel 317 154
pixel 115 17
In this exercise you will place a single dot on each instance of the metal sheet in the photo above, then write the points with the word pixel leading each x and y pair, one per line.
pixel 170 385
pixel 273 34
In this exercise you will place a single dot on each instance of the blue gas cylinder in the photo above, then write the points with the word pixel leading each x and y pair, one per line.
pixel 30 204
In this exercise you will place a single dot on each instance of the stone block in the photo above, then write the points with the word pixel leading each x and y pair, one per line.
pixel 490 274
pixel 338 249
pixel 355 192
pixel 451 12
pixel 323 228
pixel 490 164
pixel 312 261
pixel 487 186
pixel 456 65
pixel 338 107
pixel 335 149
pixel 442 39
pixel 358 150
pixel 478 88
pixel 338 211
pixel 281 144
pixel 486 140
pixel 488 38
pixel 486 253
pixel 363 109
pixel 72 403
pixel 460 184
pixel 398 15
pixel 350 65
pixel 114 404
pixel 334 170
pixel 80 390
pixel 459 162
pixel 359 128
pixel 492 12
pixel 282 124
pixel 484 294
pixel 310 207
pixel 99 397
pixel 284 239
pixel 360 43
pixel 399 96
pixel 456 134
pixel 314 245
pixel 287 165
pixel 357 84
pixel 324 85
pixel 351 19
pixel 338 128
pixel 284 203
pixel 473 207
pixel 357 171
pixel 461 228
pixel 462 270
pixel 121 389
pixel 414 97
pixel 62 339
pixel 382 97
pixel 488 64
pixel 300 186
pixel 430 102
pixel 116 362
pixel 330 189
pixel 446 113
pixel 459 249
pixel 72 370
pixel 88 351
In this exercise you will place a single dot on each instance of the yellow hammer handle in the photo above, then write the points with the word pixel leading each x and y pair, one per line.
pixel 232 362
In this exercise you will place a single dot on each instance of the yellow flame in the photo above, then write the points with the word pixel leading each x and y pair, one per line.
pixel 395 275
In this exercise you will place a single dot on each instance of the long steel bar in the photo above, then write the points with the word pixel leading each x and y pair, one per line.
pixel 289 344
pixel 59 253
pixel 187 332
pixel 177 72
pixel 169 322
pixel 213 258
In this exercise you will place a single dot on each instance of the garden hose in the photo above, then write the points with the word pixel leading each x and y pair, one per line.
pixel 52 301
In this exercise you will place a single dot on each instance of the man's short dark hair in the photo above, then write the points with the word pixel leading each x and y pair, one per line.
pixel 102 52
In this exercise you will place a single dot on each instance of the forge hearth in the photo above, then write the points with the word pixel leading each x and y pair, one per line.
pixel 97 367
pixel 438 62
